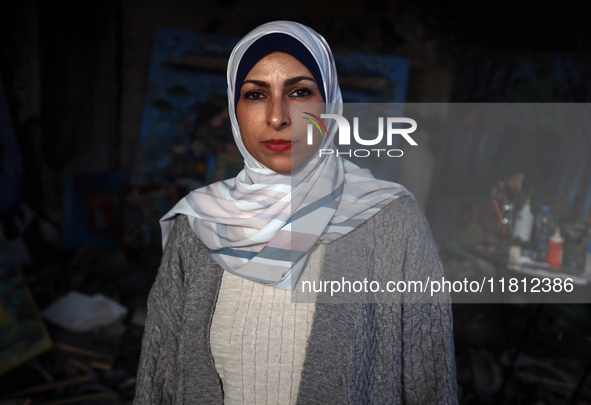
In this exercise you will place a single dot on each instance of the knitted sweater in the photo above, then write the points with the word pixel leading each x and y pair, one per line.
pixel 358 353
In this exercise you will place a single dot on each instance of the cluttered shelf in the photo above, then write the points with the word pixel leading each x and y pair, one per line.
pixel 517 234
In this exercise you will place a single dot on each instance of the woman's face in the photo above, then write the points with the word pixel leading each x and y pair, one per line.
pixel 276 82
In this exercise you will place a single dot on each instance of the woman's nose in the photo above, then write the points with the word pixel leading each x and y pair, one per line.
pixel 279 114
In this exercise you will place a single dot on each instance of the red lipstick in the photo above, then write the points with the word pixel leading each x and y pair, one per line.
pixel 278 145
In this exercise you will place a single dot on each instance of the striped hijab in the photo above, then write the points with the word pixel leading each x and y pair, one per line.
pixel 261 224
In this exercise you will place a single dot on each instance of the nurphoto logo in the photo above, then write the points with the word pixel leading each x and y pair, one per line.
pixel 392 128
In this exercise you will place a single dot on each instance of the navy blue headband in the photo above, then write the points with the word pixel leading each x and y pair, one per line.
pixel 276 42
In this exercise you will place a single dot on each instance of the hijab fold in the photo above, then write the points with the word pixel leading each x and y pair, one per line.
pixel 261 224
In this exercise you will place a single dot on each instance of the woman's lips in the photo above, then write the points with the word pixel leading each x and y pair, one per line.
pixel 278 145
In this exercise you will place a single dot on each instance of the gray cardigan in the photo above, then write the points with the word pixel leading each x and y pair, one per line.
pixel 358 353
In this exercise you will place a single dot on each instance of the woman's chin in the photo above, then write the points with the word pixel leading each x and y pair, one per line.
pixel 280 164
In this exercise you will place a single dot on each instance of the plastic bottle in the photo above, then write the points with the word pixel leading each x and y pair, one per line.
pixel 555 246
pixel 544 224
pixel 524 222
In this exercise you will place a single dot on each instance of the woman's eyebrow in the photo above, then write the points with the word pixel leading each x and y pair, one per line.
pixel 297 79
pixel 259 83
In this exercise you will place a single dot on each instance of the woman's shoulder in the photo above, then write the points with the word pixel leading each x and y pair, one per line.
pixel 182 236
pixel 403 211
pixel 401 219
pixel 184 248
pixel 406 204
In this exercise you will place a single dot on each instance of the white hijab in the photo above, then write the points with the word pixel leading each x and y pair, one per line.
pixel 261 224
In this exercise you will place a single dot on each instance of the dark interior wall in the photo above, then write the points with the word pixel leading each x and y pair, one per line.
pixel 75 72
pixel 20 71
pixel 78 55
pixel 60 67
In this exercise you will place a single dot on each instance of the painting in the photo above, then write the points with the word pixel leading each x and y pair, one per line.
pixel 93 206
pixel 22 332
pixel 186 93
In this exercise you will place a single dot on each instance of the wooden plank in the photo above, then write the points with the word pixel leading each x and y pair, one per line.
pixel 51 386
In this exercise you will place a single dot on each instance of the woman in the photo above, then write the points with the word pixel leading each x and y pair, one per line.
pixel 222 327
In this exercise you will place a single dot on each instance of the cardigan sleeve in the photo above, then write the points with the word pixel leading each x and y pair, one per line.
pixel 429 368
pixel 157 376
pixel 393 348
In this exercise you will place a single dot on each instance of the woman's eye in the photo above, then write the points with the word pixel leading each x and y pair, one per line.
pixel 301 92
pixel 254 95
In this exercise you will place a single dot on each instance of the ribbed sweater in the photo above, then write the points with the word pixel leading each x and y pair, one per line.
pixel 258 338
pixel 358 353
